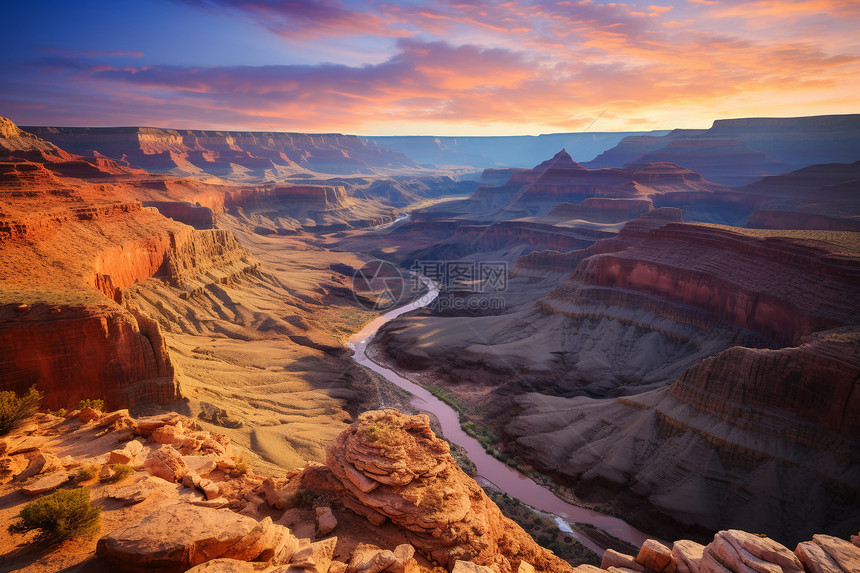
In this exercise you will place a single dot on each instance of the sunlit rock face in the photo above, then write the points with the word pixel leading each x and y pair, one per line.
pixel 238 155
pixel 389 465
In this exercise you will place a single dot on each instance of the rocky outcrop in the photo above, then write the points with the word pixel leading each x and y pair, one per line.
pixel 75 352
pixel 736 551
pixel 391 465
pixel 177 537
pixel 197 216
pixel 18 143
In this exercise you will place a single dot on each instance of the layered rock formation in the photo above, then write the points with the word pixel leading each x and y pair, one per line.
pixel 65 239
pixel 238 155
pixel 287 209
pixel 390 465
pixel 740 279
pixel 827 189
pixel 781 418
pixel 599 194
pixel 566 181
pixel 82 351
pixel 726 443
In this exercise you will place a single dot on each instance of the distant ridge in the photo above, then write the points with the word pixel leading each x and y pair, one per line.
pixel 740 151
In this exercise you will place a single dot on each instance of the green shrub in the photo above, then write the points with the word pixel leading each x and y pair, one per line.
pixel 383 434
pixel 61 413
pixel 65 514
pixel 86 473
pixel 120 472
pixel 95 404
pixel 14 410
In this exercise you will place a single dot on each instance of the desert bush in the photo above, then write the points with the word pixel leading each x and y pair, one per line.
pixel 65 514
pixel 14 410
pixel 61 413
pixel 241 469
pixel 86 473
pixel 120 472
pixel 94 403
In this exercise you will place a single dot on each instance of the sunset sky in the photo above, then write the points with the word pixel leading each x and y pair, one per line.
pixel 378 67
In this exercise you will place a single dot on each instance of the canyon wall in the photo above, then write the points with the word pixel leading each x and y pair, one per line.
pixel 761 439
pixel 288 209
pixel 197 216
pixel 748 282
pixel 261 155
pixel 74 352
pixel 603 210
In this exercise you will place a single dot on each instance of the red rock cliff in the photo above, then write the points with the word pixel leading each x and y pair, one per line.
pixel 86 351
pixel 749 282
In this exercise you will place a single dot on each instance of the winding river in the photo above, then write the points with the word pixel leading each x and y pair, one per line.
pixel 504 477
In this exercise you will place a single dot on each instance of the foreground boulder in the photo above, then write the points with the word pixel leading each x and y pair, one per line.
pixel 736 551
pixel 178 537
pixel 391 465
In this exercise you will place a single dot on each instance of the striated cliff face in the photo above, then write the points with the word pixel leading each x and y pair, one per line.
pixel 733 434
pixel 288 209
pixel 236 155
pixel 816 383
pixel 85 351
pixel 69 242
pixel 197 216
pixel 749 282
pixel 72 350
pixel 187 258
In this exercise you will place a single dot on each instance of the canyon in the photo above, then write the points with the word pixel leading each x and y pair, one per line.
pixel 656 367
pixel 672 341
